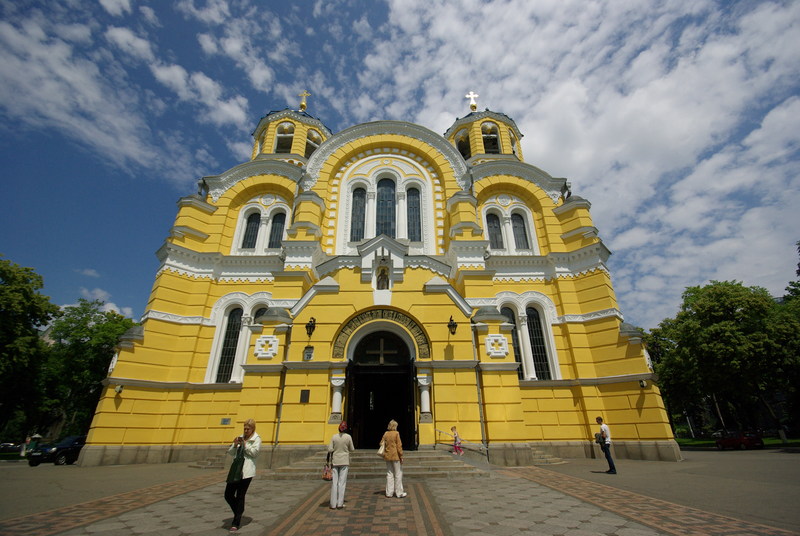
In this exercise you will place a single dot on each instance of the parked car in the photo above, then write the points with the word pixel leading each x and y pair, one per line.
pixel 740 440
pixel 10 447
pixel 64 452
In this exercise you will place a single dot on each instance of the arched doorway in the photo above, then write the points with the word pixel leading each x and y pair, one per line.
pixel 380 387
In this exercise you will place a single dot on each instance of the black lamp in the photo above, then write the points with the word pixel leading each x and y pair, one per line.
pixel 452 326
pixel 310 326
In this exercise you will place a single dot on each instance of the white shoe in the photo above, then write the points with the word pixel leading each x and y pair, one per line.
pixel 402 495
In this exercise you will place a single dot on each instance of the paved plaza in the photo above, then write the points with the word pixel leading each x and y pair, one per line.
pixel 717 493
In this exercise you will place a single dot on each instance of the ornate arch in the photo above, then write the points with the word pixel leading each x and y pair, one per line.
pixel 383 319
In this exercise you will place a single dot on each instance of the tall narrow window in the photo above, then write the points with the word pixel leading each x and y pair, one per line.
pixel 276 231
pixel 462 144
pixel 229 345
pixel 512 319
pixel 491 140
pixel 414 222
pixel 357 214
pixel 385 216
pixel 538 349
pixel 251 230
pixel 513 142
pixel 313 139
pixel 495 232
pixel 285 136
pixel 520 233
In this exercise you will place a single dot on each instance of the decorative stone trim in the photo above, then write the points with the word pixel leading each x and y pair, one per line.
pixel 175 318
pixel 439 285
pixel 554 188
pixel 171 386
pixel 179 231
pixel 378 128
pixel 196 202
pixel 454 364
pixel 219 184
pixel 572 203
pixel 494 367
pixel 267 347
pixel 605 380
pixel 216 266
pixel 585 232
pixel 496 345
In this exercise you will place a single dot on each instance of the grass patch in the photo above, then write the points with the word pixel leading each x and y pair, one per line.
pixel 769 442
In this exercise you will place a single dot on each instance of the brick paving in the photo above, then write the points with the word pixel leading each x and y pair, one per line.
pixel 513 501
pixel 663 515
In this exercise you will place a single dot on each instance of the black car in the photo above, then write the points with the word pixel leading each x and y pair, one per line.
pixel 64 452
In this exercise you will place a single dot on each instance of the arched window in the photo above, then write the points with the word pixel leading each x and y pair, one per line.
pixel 251 230
pixel 276 231
pixel 462 144
pixel 414 221
pixel 229 345
pixel 495 232
pixel 512 319
pixel 285 136
pixel 357 214
pixel 538 349
pixel 261 311
pixel 491 139
pixel 385 215
pixel 520 233
pixel 313 139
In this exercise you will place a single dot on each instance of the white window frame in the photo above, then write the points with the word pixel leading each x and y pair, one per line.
pixel 518 303
pixel 264 228
pixel 504 213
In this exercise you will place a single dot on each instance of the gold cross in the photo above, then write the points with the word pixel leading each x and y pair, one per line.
pixel 304 94
pixel 472 96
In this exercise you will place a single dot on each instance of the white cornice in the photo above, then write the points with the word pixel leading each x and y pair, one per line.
pixel 196 202
pixel 551 266
pixel 439 285
pixel 379 128
pixel 554 188
pixel 217 266
pixel 171 386
pixel 603 380
pixel 219 184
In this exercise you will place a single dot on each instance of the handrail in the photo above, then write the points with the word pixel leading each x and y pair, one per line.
pixel 463 441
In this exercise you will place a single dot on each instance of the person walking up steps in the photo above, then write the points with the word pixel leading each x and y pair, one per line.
pixel 393 454
pixel 605 445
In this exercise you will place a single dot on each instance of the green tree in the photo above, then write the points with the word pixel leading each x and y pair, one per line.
pixel 793 290
pixel 23 312
pixel 727 343
pixel 84 338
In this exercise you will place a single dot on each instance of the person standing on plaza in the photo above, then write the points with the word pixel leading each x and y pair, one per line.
pixel 393 455
pixel 248 445
pixel 605 445
pixel 456 442
pixel 339 449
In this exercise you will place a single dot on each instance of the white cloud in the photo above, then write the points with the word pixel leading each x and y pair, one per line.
pixel 130 43
pixel 89 272
pixel 116 7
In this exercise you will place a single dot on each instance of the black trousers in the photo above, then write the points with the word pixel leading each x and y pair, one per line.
pixel 234 496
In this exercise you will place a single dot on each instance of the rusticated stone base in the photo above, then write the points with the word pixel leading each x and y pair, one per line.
pixel 270 457
pixel 503 454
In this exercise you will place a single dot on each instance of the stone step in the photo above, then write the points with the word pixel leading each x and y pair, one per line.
pixel 367 464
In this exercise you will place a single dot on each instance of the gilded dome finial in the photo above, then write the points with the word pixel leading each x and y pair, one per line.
pixel 472 96
pixel 303 104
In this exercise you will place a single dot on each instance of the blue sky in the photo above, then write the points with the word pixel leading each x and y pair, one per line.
pixel 677 120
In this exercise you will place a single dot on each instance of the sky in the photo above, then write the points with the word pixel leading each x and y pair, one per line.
pixel 679 121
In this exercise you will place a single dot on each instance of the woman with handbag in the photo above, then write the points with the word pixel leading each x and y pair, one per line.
pixel 339 450
pixel 393 454
pixel 245 449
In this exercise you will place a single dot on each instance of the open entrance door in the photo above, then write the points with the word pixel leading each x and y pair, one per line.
pixel 380 387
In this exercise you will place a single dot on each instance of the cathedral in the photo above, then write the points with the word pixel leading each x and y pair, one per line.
pixel 381 272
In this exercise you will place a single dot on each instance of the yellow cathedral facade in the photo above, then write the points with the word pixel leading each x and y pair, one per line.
pixel 381 272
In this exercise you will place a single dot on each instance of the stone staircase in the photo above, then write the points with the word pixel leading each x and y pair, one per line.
pixel 366 464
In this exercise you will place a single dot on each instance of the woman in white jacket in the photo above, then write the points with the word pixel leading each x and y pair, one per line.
pixel 339 450
pixel 250 441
